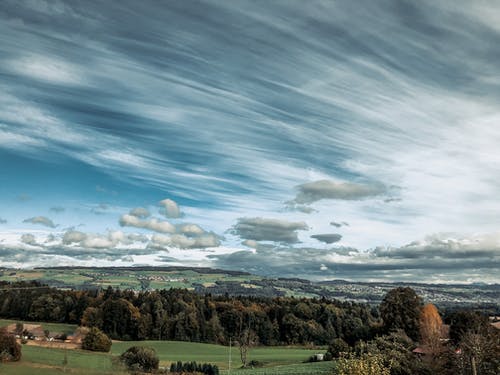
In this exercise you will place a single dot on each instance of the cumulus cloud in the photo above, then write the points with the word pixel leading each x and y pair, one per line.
pixel 150 224
pixel 42 220
pixel 170 209
pixel 262 229
pixel 324 189
pixel 135 237
pixel 99 241
pixel 183 242
pixel 140 212
pixel 73 236
pixel 445 247
pixel 327 238
pixel 293 206
pixel 430 260
pixel 28 238
pixel 190 229
pixel 57 209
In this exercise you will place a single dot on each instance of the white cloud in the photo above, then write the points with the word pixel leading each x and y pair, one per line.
pixel 50 69
pixel 264 229
pixel 73 236
pixel 42 220
pixel 170 208
pixel 314 191
pixel 28 239
pixel 140 212
pixel 151 224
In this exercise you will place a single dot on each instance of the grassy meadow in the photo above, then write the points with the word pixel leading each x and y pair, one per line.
pixel 276 360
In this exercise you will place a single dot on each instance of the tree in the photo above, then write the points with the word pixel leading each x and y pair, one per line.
pixel 481 352
pixel 19 328
pixel 246 340
pixel 140 358
pixel 96 340
pixel 338 347
pixel 463 321
pixel 92 317
pixel 10 350
pixel 430 328
pixel 120 319
pixel 395 351
pixel 400 309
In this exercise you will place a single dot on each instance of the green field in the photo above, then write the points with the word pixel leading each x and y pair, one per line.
pixel 172 351
pixel 275 360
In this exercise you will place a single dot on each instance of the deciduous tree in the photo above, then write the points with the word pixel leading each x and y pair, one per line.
pixel 400 309
pixel 430 328
pixel 10 350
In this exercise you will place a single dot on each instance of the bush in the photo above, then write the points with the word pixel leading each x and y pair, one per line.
pixel 10 350
pixel 337 348
pixel 364 365
pixel 193 367
pixel 140 358
pixel 96 341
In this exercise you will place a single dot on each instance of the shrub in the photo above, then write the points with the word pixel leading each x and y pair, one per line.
pixel 193 367
pixel 140 358
pixel 365 365
pixel 96 341
pixel 10 350
pixel 337 348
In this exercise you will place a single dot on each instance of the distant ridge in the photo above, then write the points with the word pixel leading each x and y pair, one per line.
pixel 205 270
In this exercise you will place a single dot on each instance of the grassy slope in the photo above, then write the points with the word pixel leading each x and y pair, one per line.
pixel 38 360
pixel 171 351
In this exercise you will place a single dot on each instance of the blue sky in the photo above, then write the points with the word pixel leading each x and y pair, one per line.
pixel 317 139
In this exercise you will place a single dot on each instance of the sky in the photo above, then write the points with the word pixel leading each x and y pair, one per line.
pixel 319 139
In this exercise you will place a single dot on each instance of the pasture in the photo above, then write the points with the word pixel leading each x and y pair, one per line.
pixel 275 360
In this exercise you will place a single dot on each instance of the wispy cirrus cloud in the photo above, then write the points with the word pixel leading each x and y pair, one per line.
pixel 381 114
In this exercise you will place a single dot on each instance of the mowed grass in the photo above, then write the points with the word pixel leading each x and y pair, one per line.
pixel 42 360
pixel 173 351
pixel 276 360
pixel 316 368
pixel 52 327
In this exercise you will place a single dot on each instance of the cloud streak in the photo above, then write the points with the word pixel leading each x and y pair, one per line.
pixel 263 229
pixel 41 220
pixel 315 191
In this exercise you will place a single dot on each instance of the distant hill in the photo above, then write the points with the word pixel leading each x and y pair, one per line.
pixel 205 280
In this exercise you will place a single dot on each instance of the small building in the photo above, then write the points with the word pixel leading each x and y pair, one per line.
pixel 319 357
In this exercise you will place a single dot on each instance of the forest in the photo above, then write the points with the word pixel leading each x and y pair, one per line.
pixel 179 314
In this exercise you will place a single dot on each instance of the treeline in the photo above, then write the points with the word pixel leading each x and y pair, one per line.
pixel 179 314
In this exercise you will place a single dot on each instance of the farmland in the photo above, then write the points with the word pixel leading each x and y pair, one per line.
pixel 221 282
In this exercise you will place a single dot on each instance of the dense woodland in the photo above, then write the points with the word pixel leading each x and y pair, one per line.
pixel 179 314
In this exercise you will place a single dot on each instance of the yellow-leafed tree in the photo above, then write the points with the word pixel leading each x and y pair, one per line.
pixel 430 326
